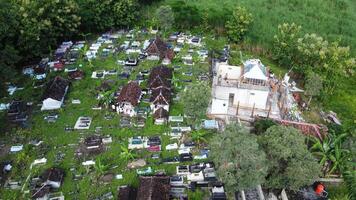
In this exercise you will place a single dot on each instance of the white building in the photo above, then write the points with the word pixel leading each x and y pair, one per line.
pixel 240 91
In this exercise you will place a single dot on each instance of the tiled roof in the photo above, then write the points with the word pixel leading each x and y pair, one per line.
pixel 161 96
pixel 160 48
pixel 153 188
pixel 161 113
pixel 56 88
pixel 161 71
pixel 130 93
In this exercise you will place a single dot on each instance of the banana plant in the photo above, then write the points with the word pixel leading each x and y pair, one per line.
pixel 330 152
pixel 199 137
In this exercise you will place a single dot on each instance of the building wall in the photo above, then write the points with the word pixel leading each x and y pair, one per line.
pixel 246 97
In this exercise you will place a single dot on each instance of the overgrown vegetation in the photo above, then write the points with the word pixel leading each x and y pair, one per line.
pixel 241 163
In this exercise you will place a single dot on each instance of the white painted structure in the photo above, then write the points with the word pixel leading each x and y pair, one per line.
pixel 235 86
pixel 52 104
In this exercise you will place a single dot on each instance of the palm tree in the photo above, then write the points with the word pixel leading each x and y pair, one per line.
pixel 199 137
pixel 100 167
pixel 106 99
pixel 126 154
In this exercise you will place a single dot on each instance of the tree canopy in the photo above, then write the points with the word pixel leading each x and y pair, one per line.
pixel 241 163
pixel 196 99
pixel 237 26
pixel 29 30
pixel 291 165
pixel 311 52
pixel 164 15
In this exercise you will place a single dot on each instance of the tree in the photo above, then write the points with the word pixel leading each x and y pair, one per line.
pixel 237 26
pixel 125 12
pixel 291 165
pixel 196 99
pixel 239 160
pixel 284 48
pixel 261 125
pixel 199 137
pixel 313 85
pixel 9 55
pixel 338 64
pixel 185 16
pixel 164 15
pixel 310 54
pixel 330 152
pixel 106 98
pixel 44 22
pixel 96 15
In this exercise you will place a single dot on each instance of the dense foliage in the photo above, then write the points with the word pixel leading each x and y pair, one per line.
pixel 164 16
pixel 261 125
pixel 312 53
pixel 31 29
pixel 240 161
pixel 186 16
pixel 195 100
pixel 9 54
pixel 237 26
pixel 290 163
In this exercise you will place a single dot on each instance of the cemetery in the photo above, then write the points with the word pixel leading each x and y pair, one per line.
pixel 145 114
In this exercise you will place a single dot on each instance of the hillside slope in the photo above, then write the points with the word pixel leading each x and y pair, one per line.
pixel 333 19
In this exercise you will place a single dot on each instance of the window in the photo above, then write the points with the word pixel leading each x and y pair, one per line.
pixel 231 99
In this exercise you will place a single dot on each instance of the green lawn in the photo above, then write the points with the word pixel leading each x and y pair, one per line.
pixel 58 140
pixel 331 19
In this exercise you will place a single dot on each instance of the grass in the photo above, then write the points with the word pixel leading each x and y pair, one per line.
pixel 58 140
pixel 332 19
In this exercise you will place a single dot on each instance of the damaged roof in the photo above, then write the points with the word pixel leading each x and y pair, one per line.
pixel 153 188
pixel 56 88
pixel 130 93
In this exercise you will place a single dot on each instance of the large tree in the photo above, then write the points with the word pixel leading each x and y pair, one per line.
pixel 312 52
pixel 9 55
pixel 291 165
pixel 240 162
pixel 164 15
pixel 185 15
pixel 196 98
pixel 284 48
pixel 44 22
pixel 239 23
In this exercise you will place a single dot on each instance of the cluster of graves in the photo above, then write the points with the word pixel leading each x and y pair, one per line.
pixel 147 93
